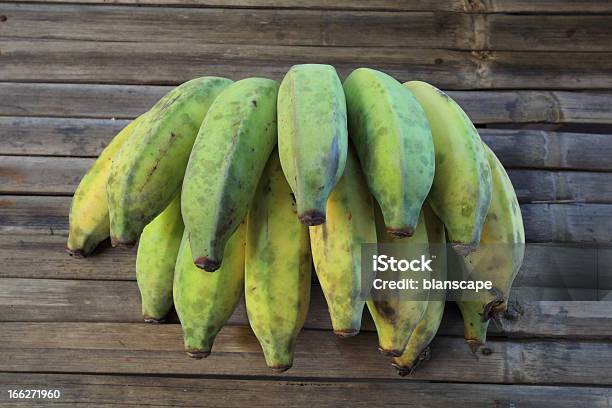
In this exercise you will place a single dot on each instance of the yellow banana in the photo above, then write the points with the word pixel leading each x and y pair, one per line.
pixel 417 349
pixel 157 251
pixel 228 157
pixel 461 189
pixel 148 171
pixel 312 136
pixel 205 301
pixel 336 248
pixel 396 316
pixel 89 221
pixel 393 140
pixel 278 263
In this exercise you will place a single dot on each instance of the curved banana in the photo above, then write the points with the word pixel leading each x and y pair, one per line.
pixel 474 324
pixel 417 349
pixel 278 263
pixel 393 140
pixel 461 190
pixel 228 157
pixel 312 136
pixel 157 251
pixel 205 301
pixel 336 248
pixel 395 316
pixel 89 221
pixel 148 171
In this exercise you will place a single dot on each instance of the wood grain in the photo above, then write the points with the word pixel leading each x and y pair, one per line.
pixel 143 349
pixel 129 101
pixel 61 175
pixel 100 390
pixel 578 223
pixel 135 63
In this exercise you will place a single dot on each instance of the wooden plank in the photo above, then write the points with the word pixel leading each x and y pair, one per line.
pixel 129 101
pixel 516 148
pixel 62 300
pixel 303 27
pixel 144 349
pixel 56 136
pixel 266 27
pixel 543 222
pixel 480 6
pixel 131 63
pixel 96 390
pixel 61 175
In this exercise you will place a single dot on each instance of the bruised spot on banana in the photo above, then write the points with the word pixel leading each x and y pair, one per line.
pixel 461 190
pixel 278 267
pixel 417 349
pixel 155 261
pixel 395 316
pixel 204 301
pixel 393 140
pixel 228 157
pixel 148 170
pixel 336 248
pixel 312 136
pixel 89 219
pixel 498 258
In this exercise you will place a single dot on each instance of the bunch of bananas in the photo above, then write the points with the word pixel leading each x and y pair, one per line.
pixel 221 210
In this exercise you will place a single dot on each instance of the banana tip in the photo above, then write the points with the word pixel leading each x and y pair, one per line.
pixel 464 249
pixel 343 333
pixel 403 370
pixel 76 253
pixel 312 218
pixel 401 232
pixel 474 345
pixel 116 242
pixel 280 368
pixel 197 354
pixel 209 265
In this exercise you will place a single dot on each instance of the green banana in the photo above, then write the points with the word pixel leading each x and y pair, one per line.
pixel 417 349
pixel 157 251
pixel 228 157
pixel 312 136
pixel 205 301
pixel 394 144
pixel 499 256
pixel 148 171
pixel 336 248
pixel 89 221
pixel 396 317
pixel 278 263
pixel 461 190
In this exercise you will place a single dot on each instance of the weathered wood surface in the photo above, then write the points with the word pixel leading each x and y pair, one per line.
pixel 134 63
pixel 479 6
pixel 137 349
pixel 129 101
pixel 516 148
pixel 61 175
pixel 60 300
pixel 302 27
pixel 579 223
pixel 102 391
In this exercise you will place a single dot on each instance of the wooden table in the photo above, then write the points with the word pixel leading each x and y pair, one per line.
pixel 71 75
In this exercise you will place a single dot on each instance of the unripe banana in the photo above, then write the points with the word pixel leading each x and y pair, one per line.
pixel 417 349
pixel 89 221
pixel 461 190
pixel 157 251
pixel 312 136
pixel 205 301
pixel 396 316
pixel 228 157
pixel 336 248
pixel 148 171
pixel 278 263
pixel 474 324
pixel 394 144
